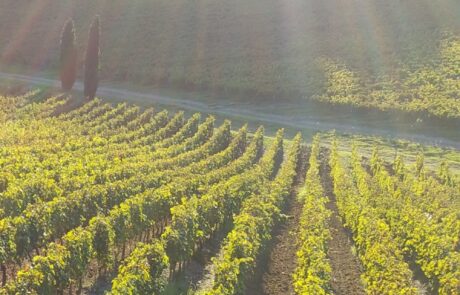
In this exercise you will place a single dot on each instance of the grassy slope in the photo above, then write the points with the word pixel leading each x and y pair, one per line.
pixel 241 46
pixel 388 149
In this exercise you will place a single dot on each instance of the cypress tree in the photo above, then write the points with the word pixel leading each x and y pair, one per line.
pixel 92 60
pixel 68 58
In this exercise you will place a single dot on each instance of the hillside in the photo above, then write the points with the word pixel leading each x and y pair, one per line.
pixel 266 48
pixel 230 147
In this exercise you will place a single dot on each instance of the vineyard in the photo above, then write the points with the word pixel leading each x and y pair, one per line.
pixel 103 199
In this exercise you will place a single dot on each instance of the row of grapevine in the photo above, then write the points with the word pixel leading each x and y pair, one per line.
pixel 38 110
pixel 115 148
pixel 252 228
pixel 126 221
pixel 80 110
pixel 33 215
pixel 312 275
pixel 195 220
pixel 54 174
pixel 10 104
pixel 41 188
pixel 423 217
pixel 192 122
pixel 43 150
pixel 119 115
pixel 46 222
pixel 385 270
pixel 94 113
pixel 159 121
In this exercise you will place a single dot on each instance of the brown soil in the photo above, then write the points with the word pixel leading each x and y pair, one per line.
pixel 274 270
pixel 346 268
pixel 95 283
pixel 277 278
pixel 197 275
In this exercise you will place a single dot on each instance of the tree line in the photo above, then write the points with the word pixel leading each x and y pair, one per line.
pixel 69 58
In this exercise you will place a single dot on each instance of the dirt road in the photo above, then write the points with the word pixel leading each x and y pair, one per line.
pixel 255 114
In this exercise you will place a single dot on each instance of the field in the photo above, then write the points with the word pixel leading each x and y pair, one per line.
pixel 108 198
pixel 393 54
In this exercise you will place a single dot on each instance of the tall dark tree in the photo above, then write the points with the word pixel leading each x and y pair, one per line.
pixel 92 60
pixel 68 58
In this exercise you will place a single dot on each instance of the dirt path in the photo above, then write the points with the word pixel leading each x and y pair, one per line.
pixel 274 272
pixel 250 113
pixel 275 266
pixel 277 279
pixel 346 268
pixel 199 273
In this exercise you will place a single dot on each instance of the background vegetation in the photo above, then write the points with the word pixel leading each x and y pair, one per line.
pixel 267 48
pixel 432 88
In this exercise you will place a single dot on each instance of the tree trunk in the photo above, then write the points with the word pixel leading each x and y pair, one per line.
pixel 3 274
pixel 172 266
pixel 13 270
pixel 80 285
